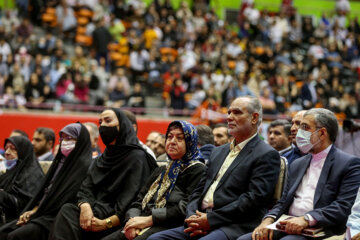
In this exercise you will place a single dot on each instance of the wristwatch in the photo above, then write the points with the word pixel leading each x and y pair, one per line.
pixel 108 223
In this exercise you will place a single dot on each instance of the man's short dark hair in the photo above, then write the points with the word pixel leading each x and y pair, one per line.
pixel 281 122
pixel 220 125
pixel 48 133
pixel 325 118
pixel 21 132
pixel 131 116
pixel 205 135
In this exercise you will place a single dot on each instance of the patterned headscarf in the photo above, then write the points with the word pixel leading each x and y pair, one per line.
pixel 165 183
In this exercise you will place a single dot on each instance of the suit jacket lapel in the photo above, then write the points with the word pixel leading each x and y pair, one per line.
pixel 219 160
pixel 302 170
pixel 324 174
pixel 240 157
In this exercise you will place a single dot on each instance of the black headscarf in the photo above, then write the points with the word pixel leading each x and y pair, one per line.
pixel 24 179
pixel 114 180
pixel 126 141
pixel 67 181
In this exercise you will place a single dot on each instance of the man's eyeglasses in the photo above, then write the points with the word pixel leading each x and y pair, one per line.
pixel 306 127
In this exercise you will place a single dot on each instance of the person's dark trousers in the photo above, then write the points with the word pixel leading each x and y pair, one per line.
pixel 67 226
pixel 25 232
pixel 178 234
pixel 277 235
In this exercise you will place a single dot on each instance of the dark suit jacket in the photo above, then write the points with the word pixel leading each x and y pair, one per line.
pixel 334 194
pixel 243 192
pixel 49 158
pixel 292 154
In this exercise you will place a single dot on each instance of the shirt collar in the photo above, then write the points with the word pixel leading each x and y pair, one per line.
pixel 44 156
pixel 285 150
pixel 321 155
pixel 240 145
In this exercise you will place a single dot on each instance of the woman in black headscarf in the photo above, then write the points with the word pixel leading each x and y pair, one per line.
pixel 22 178
pixel 113 182
pixel 61 184
pixel 161 203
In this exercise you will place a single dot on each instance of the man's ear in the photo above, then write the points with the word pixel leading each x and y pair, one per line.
pixel 255 118
pixel 50 144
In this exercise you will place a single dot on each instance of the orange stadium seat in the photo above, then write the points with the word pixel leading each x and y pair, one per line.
pixel 83 40
pixel 82 21
pixel 86 13
pixel 81 30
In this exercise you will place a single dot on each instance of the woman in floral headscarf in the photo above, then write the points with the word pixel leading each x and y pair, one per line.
pixel 161 204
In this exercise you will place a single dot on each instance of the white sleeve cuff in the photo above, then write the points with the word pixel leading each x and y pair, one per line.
pixel 312 221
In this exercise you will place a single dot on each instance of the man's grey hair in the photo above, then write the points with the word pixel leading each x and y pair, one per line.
pixel 93 127
pixel 255 106
pixel 325 118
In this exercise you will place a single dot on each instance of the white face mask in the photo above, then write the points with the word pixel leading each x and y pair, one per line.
pixel 303 141
pixel 67 147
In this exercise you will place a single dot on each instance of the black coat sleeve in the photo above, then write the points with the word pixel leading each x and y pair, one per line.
pixel 85 193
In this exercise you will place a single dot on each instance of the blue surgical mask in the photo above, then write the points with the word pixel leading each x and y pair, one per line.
pixel 9 164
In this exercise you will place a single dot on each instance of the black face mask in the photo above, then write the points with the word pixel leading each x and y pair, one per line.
pixel 108 134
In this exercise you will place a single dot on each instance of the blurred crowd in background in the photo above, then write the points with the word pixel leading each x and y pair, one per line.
pixel 117 53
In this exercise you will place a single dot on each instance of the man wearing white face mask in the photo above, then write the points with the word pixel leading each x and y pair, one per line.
pixel 322 185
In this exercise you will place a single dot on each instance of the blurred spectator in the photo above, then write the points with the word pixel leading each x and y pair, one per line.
pixel 65 88
pixel 65 18
pixel 116 28
pixel 34 92
pixel 267 102
pixel 79 62
pixel 119 76
pixel 94 138
pixel 138 58
pixel 5 49
pixel 177 96
pixel 117 97
pixel 24 29
pixel 137 98
pixel 101 39
pixel 10 22
pixel 353 108
pixel 81 88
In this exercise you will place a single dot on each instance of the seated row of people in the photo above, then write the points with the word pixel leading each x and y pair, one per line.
pixel 123 195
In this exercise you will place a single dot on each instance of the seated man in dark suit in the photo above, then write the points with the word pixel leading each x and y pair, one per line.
pixel 295 153
pixel 238 185
pixel 321 187
pixel 278 135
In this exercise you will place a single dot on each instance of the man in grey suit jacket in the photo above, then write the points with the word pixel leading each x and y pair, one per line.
pixel 322 186
pixel 233 194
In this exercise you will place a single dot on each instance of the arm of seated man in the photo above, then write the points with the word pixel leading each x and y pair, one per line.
pixel 263 233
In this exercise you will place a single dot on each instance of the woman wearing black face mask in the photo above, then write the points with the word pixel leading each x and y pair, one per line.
pixel 112 184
